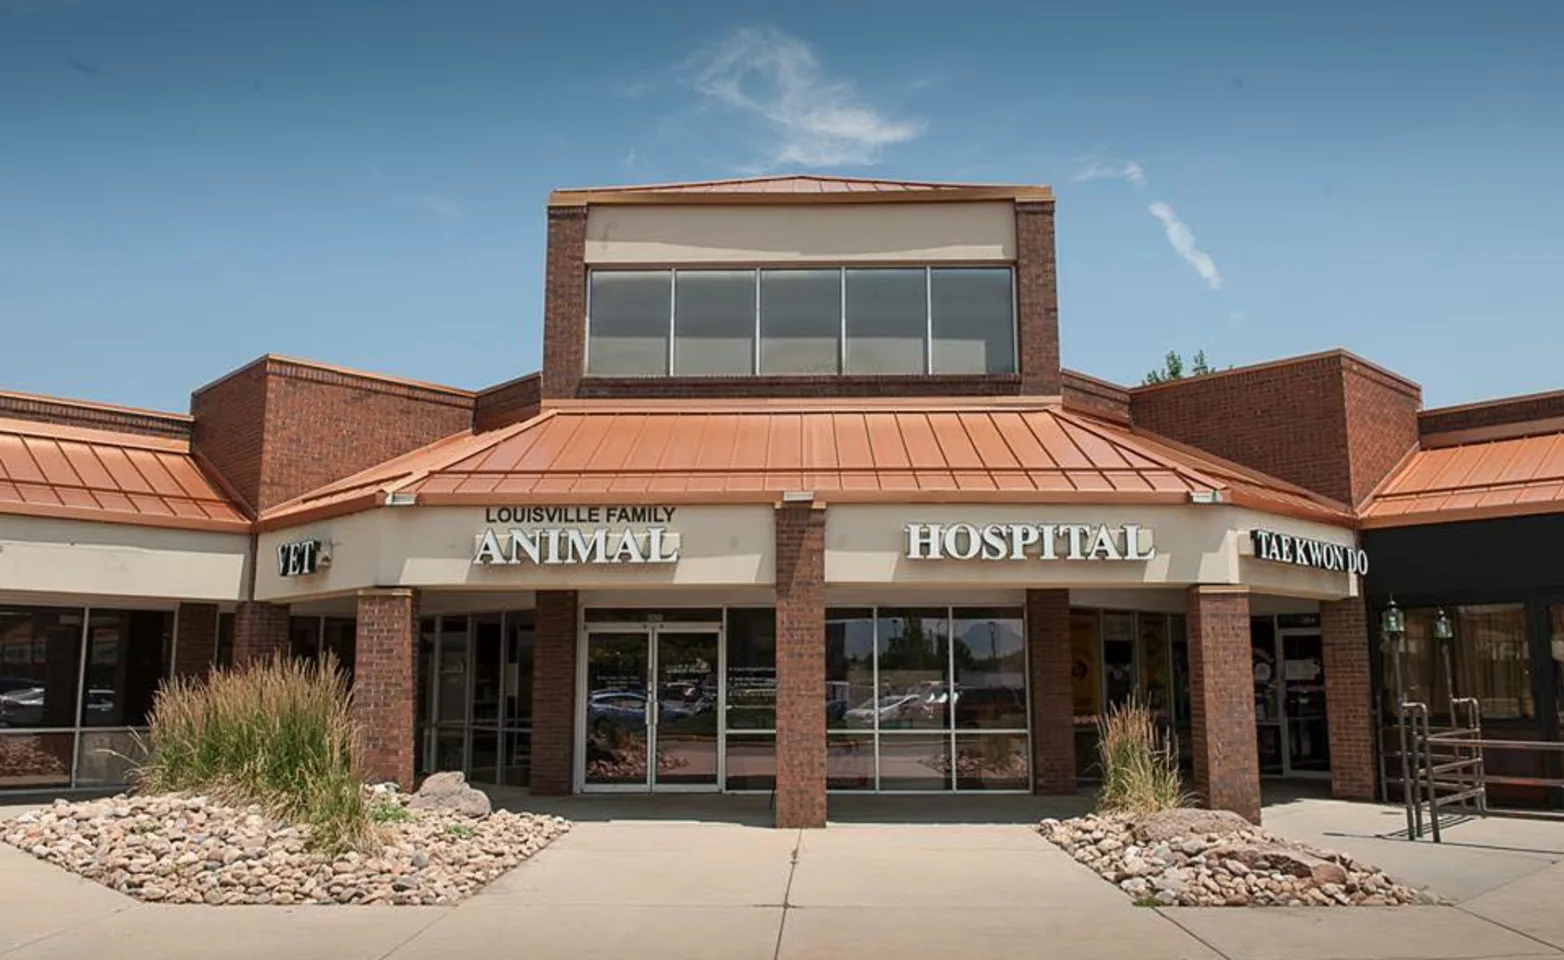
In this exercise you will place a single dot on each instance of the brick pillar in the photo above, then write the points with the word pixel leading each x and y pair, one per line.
pixel 554 645
pixel 1037 299
pixel 1349 714
pixel 1053 696
pixel 564 302
pixel 195 645
pixel 800 559
pixel 1221 692
pixel 260 630
pixel 383 689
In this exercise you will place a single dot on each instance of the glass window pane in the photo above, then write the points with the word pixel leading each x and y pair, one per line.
pixel 887 321
pixel 518 669
pixel 35 760
pixel 1492 653
pixel 714 323
pixel 990 654
pixel 971 313
pixel 1118 656
pixel 486 635
pixel 453 668
pixel 108 757
pixel 800 321
pixel 992 762
pixel 628 323
pixel 849 762
pixel 914 761
pixel 1086 677
pixel 652 615
pixel 124 665
pixel 1154 668
pixel 225 640
pixel 849 669
pixel 914 669
pixel 752 761
pixel 752 670
pixel 484 766
pixel 40 669
pixel 1556 654
pixel 518 759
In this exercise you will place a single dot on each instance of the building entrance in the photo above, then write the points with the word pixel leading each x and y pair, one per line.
pixel 651 707
pixel 1289 695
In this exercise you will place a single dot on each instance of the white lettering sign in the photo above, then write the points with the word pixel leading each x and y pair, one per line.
pixel 1022 541
pixel 555 545
pixel 1303 552
pixel 302 557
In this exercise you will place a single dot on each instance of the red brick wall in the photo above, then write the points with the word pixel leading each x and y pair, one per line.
pixel 386 640
pixel 800 560
pixel 1096 397
pixel 77 413
pixel 554 692
pixel 1348 699
pixel 1221 691
pixel 1496 413
pixel 1049 662
pixel 279 428
pixel 1381 424
pixel 564 302
pixel 260 630
pixel 230 424
pixel 195 644
pixel 511 402
pixel 1037 299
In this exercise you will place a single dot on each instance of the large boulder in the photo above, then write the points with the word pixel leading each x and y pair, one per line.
pixel 1166 825
pixel 1280 859
pixel 448 792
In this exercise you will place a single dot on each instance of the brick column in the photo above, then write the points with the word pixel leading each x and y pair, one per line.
pixel 1053 697
pixel 564 302
pixel 554 646
pixel 260 630
pixel 800 558
pixel 386 638
pixel 195 644
pixel 1037 299
pixel 1349 700
pixel 1221 692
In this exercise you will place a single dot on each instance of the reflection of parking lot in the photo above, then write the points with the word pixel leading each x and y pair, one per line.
pixel 24 702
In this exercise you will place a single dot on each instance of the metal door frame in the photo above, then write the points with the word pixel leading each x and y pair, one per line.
pixel 651 631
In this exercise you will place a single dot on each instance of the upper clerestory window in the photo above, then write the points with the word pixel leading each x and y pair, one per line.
pixel 810 321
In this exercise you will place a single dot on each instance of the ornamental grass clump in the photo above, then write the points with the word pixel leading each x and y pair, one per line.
pixel 1139 763
pixel 279 733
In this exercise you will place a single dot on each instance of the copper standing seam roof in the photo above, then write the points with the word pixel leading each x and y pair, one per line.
pixel 972 451
pixel 1512 476
pixel 77 473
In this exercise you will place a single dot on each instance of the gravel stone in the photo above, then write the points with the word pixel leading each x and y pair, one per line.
pixel 1203 858
pixel 176 848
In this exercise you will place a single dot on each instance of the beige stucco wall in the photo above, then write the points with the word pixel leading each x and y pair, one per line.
pixel 838 233
pixel 74 557
pixel 434 546
pixel 866 544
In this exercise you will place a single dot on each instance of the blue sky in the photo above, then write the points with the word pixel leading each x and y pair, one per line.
pixel 186 184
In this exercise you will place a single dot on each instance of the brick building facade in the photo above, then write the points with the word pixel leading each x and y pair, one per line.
pixel 801 502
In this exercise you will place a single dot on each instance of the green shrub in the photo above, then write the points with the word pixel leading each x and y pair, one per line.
pixel 279 733
pixel 389 811
pixel 1139 764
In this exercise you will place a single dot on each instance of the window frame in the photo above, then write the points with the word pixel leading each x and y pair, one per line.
pixel 670 366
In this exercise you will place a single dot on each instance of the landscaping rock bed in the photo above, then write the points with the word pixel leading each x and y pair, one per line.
pixel 192 849
pixel 1205 858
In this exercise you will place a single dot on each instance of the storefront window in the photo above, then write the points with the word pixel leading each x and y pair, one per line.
pixel 1556 654
pixel 1152 647
pixel 1489 658
pixel 126 652
pixel 752 699
pixel 990 658
pixel 1118 657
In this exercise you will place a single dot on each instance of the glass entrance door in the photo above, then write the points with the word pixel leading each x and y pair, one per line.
pixel 1303 695
pixel 651 704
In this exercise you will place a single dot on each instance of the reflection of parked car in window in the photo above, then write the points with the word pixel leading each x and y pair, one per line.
pixel 899 706
pixel 990 707
pixel 22 706
pixel 622 707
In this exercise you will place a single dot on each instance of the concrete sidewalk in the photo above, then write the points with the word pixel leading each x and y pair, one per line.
pixel 708 887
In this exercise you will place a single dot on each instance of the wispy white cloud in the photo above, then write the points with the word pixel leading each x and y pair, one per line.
pixel 439 207
pixel 632 160
pixel 813 118
pixel 1182 240
pixel 1102 168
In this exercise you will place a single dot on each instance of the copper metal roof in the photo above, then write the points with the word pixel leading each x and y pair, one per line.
pixel 668 451
pixel 797 187
pixel 1510 476
pixel 84 474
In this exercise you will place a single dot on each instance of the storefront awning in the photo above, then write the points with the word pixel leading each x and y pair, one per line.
pixel 988 450
pixel 1512 476
pixel 75 473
